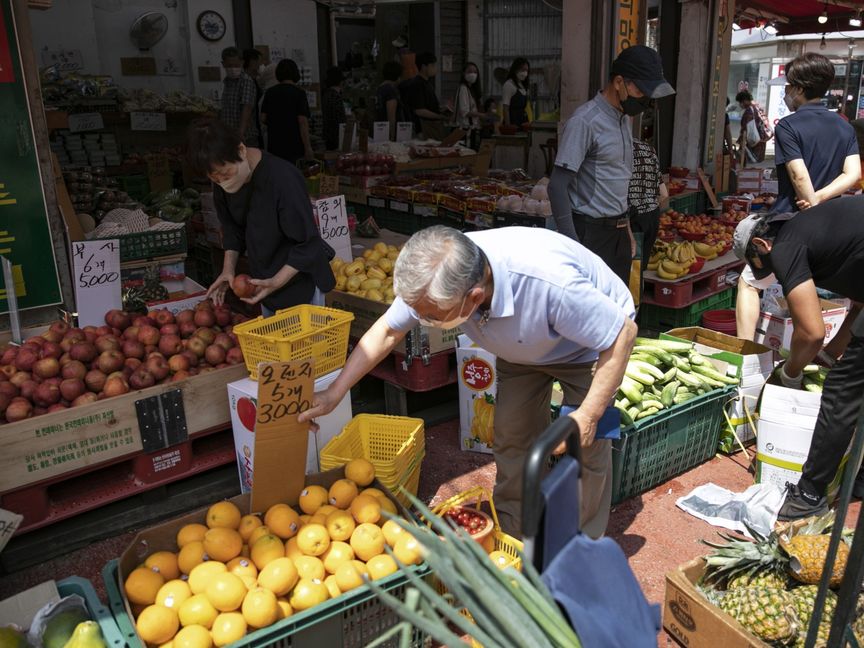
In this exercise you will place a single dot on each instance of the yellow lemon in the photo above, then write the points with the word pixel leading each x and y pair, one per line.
pixel 191 555
pixel 327 509
pixel 367 541
pixel 228 628
pixel 340 525
pixel 366 509
pixel 248 523
pixel 332 586
pixel 200 577
pixel 360 471
pixel 222 544
pixel 292 551
pixel 312 498
pixel 381 566
pixel 266 550
pixel 142 585
pixel 278 576
pixel 197 610
pixel 308 593
pixel 337 553
pixel 407 550
pixel 285 609
pixel 392 532
pixel 348 576
pixel 157 624
pixel 282 520
pixel 223 514
pixel 373 491
pixel 257 534
pixel 226 592
pixel 193 636
pixel 388 505
pixel 313 539
pixel 310 567
pixel 260 608
pixel 173 594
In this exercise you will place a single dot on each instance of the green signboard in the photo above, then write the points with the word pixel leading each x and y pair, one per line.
pixel 25 237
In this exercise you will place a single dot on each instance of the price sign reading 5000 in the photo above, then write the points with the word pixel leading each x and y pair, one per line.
pixel 283 391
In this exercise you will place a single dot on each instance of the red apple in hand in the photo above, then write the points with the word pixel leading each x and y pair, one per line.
pixel 243 286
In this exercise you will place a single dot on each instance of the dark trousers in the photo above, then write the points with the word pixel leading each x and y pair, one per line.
pixel 649 224
pixel 841 404
pixel 610 243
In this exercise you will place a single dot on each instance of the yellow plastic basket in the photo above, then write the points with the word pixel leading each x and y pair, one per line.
pixel 411 483
pixel 299 333
pixel 392 443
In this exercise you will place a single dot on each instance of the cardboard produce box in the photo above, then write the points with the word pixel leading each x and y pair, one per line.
pixel 53 444
pixel 478 387
pixel 242 401
pixel 693 621
pixel 775 329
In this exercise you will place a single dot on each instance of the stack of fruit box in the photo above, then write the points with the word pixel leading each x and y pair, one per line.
pixel 752 362
pixel 478 387
pixel 351 620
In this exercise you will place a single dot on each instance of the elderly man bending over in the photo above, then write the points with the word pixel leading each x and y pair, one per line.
pixel 548 308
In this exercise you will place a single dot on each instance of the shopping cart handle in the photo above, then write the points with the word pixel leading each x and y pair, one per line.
pixel 562 429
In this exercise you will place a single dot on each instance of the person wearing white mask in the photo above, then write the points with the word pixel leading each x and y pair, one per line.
pixel 817 158
pixel 239 98
pixel 265 212
pixel 467 101
pixel 514 96
pixel 549 310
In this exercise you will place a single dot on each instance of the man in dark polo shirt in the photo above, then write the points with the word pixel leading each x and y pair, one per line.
pixel 589 183
pixel 822 247
pixel 816 153
pixel 419 98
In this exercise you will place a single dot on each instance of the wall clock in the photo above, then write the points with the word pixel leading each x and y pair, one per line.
pixel 211 25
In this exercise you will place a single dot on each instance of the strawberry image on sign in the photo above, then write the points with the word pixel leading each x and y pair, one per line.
pixel 247 412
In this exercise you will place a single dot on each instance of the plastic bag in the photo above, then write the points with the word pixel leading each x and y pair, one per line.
pixel 54 624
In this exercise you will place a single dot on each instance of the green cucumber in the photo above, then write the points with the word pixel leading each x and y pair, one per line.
pixel 650 411
pixel 813 387
pixel 655 404
pixel 631 389
pixel 690 380
pixel 666 345
pixel 811 369
pixel 683 398
pixel 647 357
pixel 626 419
pixel 638 376
pixel 669 375
pixel 645 367
pixel 664 356
pixel 681 364
pixel 708 371
pixel 668 395
pixel 633 412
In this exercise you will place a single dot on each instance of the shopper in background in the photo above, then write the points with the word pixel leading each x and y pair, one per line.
pixel 549 309
pixel 467 103
pixel 728 142
pixel 490 118
pixel 285 111
pixel 332 108
pixel 821 248
pixel 265 212
pixel 388 101
pixel 514 96
pixel 239 98
pixel 590 180
pixel 646 195
pixel 754 134
pixel 253 67
pixel 420 100
pixel 817 159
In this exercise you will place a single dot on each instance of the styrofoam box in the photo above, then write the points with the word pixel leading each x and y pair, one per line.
pixel 775 331
pixel 242 401
pixel 789 406
pixel 477 378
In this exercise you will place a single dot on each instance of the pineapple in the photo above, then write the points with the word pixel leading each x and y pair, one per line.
pixel 858 622
pixel 742 563
pixel 758 578
pixel 767 612
pixel 805 598
pixel 807 548
pixel 135 299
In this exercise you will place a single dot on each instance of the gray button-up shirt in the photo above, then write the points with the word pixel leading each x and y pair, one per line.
pixel 597 145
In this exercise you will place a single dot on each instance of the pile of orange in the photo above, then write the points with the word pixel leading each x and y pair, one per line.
pixel 237 573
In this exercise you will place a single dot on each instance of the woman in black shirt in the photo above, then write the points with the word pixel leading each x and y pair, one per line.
pixel 285 110
pixel 265 212
pixel 389 102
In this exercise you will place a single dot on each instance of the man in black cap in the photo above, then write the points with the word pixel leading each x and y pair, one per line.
pixel 588 186
pixel 822 247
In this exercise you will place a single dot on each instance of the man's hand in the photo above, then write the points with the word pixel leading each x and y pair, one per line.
pixel 218 288
pixel 587 429
pixel 790 382
pixel 323 403
pixel 265 287
pixel 632 244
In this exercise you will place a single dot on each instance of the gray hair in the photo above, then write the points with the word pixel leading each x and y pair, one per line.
pixel 440 263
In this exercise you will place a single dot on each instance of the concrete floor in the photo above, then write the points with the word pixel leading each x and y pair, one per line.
pixel 654 533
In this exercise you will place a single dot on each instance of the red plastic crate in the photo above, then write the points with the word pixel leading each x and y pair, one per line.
pixel 415 375
pixel 686 291
pixel 83 490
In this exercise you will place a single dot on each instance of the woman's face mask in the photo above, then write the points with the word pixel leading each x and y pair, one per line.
pixel 791 98
pixel 231 177
pixel 471 77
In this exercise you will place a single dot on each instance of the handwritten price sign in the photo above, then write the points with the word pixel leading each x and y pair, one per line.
pixel 80 122
pixel 96 272
pixel 333 225
pixel 285 390
pixel 148 121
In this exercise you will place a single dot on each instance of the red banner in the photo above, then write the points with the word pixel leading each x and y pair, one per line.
pixel 7 74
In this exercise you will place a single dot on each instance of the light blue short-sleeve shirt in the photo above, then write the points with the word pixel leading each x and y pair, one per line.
pixel 554 301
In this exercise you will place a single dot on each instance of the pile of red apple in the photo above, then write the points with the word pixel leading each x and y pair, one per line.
pixel 67 367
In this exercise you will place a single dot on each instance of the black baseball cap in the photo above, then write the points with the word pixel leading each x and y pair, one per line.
pixel 642 66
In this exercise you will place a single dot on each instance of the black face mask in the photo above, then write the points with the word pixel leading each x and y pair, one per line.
pixel 766 269
pixel 633 106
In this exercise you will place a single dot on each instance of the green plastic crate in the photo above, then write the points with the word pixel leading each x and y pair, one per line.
pixel 690 202
pixel 351 621
pixel 152 244
pixel 397 221
pixel 98 612
pixel 658 448
pixel 661 318
pixel 137 186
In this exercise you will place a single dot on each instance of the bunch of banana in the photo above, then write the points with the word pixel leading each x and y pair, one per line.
pixel 706 251
pixel 482 426
pixel 370 275
pixel 672 260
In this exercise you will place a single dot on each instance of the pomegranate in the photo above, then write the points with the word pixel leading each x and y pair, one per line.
pixel 46 368
pixel 243 286
pixel 169 329
pixel 234 356
pixel 141 379
pixel 116 386
pixel 46 394
pixel 95 380
pixel 214 354
pixel 118 319
pixel 74 369
pixel 133 348
pixel 148 335
pixel 83 351
pixel 158 367
pixel 109 361
pixel 26 358
pixel 170 345
pixel 108 343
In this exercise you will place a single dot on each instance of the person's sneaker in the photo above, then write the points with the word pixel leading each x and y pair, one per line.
pixel 801 504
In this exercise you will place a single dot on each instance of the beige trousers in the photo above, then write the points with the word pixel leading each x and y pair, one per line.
pixel 521 414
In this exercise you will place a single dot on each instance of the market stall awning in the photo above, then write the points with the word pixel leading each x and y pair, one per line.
pixel 798 16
